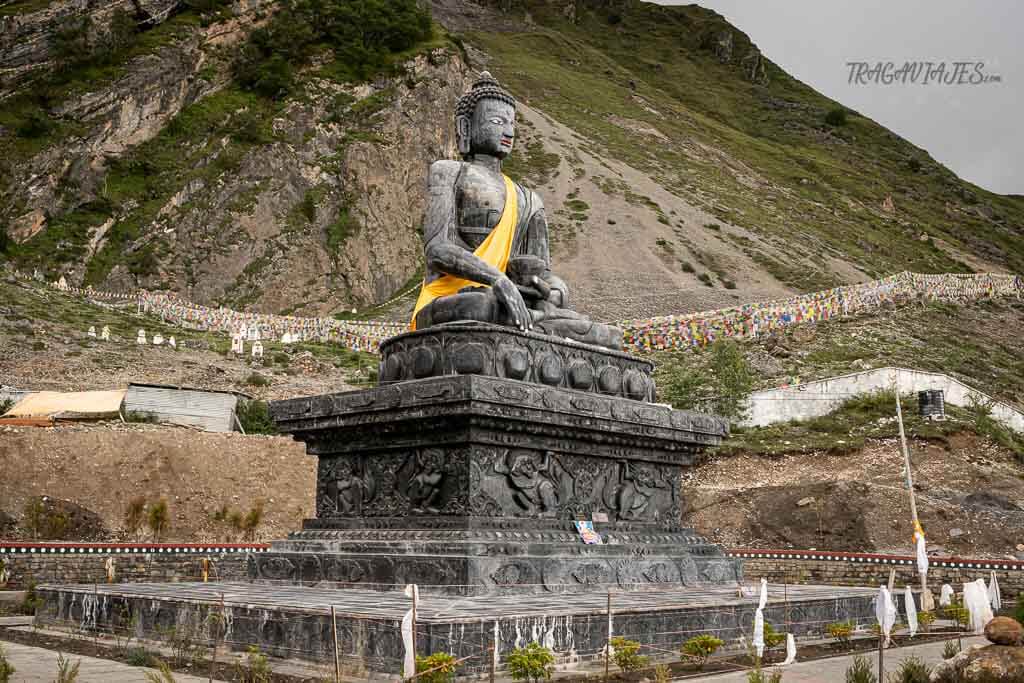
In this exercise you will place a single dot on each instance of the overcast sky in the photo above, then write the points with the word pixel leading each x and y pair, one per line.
pixel 973 129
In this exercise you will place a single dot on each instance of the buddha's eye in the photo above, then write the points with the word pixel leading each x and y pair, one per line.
pixel 497 121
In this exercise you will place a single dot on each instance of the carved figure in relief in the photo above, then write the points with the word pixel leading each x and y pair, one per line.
pixel 536 487
pixel 346 490
pixel 421 479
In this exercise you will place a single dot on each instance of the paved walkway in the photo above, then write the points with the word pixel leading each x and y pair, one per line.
pixel 834 669
pixel 35 664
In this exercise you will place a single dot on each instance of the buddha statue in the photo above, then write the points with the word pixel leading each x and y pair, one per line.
pixel 486 237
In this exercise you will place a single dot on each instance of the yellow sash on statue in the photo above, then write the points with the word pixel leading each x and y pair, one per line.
pixel 494 251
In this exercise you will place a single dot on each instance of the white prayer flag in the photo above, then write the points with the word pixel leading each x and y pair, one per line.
pixel 911 609
pixel 790 650
pixel 995 598
pixel 945 595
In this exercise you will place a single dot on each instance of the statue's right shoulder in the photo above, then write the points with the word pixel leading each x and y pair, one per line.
pixel 444 172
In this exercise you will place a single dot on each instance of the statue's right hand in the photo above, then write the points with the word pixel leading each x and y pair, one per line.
pixel 509 296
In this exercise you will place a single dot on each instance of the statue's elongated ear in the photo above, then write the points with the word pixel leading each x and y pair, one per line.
pixel 462 134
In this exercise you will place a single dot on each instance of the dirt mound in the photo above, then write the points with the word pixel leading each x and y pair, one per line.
pixel 968 498
pixel 89 474
pixel 47 519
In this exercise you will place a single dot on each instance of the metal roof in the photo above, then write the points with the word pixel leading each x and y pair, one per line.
pixel 212 411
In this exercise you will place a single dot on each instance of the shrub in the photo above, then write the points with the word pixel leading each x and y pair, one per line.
pixel 440 665
pixel 912 670
pixel 255 417
pixel 66 671
pixel 255 379
pixel 841 631
pixel 6 668
pixel 158 518
pixel 662 674
pixel 32 600
pixel 773 638
pixel 705 279
pixel 734 381
pixel 626 654
pixel 256 668
pixel 956 611
pixel 759 676
pixel 251 521
pixel 135 514
pixel 139 656
pixel 531 663
pixel 162 675
pixel 860 671
pixel 700 648
pixel 836 117
pixel 687 267
pixel 925 619
pixel 950 649
pixel 1018 609
pixel 140 417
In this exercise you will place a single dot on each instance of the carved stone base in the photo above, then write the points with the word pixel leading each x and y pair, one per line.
pixel 472 484
pixel 495 351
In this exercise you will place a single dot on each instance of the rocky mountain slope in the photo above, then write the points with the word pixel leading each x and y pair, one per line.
pixel 681 168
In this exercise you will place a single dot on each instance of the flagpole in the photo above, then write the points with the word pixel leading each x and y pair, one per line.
pixel 908 475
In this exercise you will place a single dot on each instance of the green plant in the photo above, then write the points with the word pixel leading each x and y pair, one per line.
pixel 836 117
pixel 700 648
pixel 860 671
pixel 1018 608
pixel 950 649
pixel 772 638
pixel 911 670
pixel 841 631
pixel 163 674
pixel 705 279
pixel 256 668
pixel 141 417
pixel 255 379
pixel 6 403
pixel 135 514
pixel 66 671
pixel 626 654
pixel 252 520
pixel 436 668
pixel 760 676
pixel 255 417
pixel 531 663
pixel 139 656
pixel 662 673
pixel 158 518
pixel 6 668
pixel 734 380
pixel 956 611
pixel 925 619
pixel 32 600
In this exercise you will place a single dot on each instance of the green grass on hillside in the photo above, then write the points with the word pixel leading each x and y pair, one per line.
pixel 823 185
pixel 872 416
pixel 977 343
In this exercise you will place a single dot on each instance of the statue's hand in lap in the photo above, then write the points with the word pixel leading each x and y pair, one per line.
pixel 511 299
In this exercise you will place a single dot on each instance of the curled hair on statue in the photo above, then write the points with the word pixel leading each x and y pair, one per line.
pixel 485 88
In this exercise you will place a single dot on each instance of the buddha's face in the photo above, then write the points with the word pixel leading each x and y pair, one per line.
pixel 494 128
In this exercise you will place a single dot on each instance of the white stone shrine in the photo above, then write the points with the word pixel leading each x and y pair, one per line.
pixel 141 339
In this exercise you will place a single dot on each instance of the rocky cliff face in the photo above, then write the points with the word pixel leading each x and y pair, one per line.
pixel 172 178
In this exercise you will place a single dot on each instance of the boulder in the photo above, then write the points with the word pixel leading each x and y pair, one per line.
pixel 982 665
pixel 1004 631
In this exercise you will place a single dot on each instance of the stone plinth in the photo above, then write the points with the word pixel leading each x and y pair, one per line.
pixel 295 622
pixel 471 483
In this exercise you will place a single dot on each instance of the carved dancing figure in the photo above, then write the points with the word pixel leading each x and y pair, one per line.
pixel 636 489
pixel 486 237
pixel 421 480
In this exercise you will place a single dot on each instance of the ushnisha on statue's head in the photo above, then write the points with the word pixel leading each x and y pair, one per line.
pixel 485 120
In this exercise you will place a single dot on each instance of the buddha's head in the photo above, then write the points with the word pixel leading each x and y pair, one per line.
pixel 485 119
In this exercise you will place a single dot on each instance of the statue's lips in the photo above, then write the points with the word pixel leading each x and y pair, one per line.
pixel 506 142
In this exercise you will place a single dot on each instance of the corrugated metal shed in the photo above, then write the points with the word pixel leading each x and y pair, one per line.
pixel 212 411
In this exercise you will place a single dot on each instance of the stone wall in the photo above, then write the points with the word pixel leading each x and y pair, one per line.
pixel 871 570
pixel 89 564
